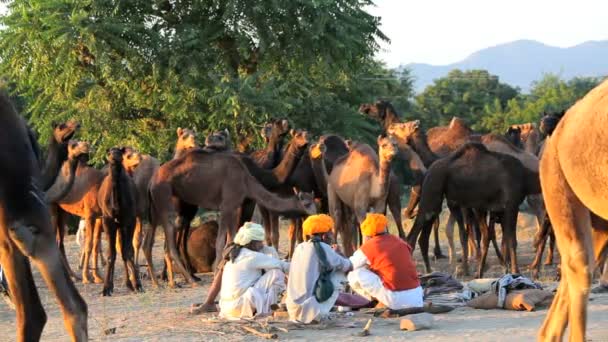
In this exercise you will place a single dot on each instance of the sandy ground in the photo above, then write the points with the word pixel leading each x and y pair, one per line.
pixel 163 314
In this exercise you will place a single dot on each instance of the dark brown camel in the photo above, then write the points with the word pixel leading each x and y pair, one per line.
pixel 227 183
pixel 384 112
pixel 359 181
pixel 474 177
pixel 57 151
pixel 576 194
pixel 26 232
pixel 528 136
pixel 117 201
pixel 141 167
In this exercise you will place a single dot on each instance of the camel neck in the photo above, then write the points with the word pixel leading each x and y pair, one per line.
pixel 319 171
pixel 531 143
pixel 390 119
pixel 384 171
pixel 421 147
pixel 288 163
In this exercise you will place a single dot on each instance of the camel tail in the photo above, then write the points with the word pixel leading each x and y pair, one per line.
pixel 265 198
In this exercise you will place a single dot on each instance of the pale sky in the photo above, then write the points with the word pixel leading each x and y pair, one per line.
pixel 446 31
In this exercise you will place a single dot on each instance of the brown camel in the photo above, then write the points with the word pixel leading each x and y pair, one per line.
pixel 117 201
pixel 82 201
pixel 26 232
pixel 227 183
pixel 485 181
pixel 57 151
pixel 359 181
pixel 384 112
pixel 529 136
pixel 575 188
pixel 141 167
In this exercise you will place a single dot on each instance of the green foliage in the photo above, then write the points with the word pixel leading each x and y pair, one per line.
pixel 464 94
pixel 133 71
pixel 550 94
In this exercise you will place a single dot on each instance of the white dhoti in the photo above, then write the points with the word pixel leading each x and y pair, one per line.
pixel 257 299
pixel 369 285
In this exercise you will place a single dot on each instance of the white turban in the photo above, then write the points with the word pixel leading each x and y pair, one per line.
pixel 248 232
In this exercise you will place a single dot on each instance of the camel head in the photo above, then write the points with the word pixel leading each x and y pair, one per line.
pixel 63 132
pixel 218 140
pixel 275 129
pixel 317 150
pixel 377 110
pixel 131 158
pixel 307 199
pixel 387 147
pixel 514 135
pixel 299 137
pixel 549 122
pixel 402 132
pixel 186 138
pixel 77 148
pixel 114 155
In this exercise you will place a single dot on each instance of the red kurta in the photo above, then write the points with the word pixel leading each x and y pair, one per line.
pixel 391 259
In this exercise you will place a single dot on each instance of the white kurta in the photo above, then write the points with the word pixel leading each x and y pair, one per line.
pixel 245 291
pixel 369 285
pixel 304 272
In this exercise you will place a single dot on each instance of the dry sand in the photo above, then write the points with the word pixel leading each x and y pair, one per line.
pixel 163 314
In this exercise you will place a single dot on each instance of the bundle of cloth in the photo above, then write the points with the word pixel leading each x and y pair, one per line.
pixel 510 292
pixel 442 289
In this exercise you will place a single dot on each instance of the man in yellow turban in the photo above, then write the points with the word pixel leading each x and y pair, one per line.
pixel 252 278
pixel 310 259
pixel 383 267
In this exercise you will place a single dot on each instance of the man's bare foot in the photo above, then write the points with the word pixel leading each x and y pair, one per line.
pixel 197 309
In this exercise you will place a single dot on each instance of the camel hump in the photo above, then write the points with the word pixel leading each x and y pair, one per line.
pixel 582 147
pixel 468 147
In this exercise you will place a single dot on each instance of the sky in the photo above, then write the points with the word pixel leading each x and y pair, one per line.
pixel 446 31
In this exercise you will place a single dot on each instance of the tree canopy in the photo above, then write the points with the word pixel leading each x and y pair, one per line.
pixel 134 71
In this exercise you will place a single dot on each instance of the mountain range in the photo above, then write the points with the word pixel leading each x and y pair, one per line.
pixel 521 62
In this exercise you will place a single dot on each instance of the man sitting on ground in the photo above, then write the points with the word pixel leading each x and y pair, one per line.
pixel 302 304
pixel 383 267
pixel 251 281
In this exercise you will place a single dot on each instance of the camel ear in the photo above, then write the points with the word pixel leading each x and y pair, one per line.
pixel 285 124
pixel 179 131
pixel 293 132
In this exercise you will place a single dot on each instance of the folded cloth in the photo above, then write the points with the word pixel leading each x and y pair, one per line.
pixel 510 282
pixel 439 282
pixel 481 285
pixel 454 299
pixel 352 301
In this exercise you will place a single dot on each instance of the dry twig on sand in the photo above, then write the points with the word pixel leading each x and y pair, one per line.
pixel 259 334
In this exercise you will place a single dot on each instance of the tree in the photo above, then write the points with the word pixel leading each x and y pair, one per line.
pixel 549 94
pixel 465 94
pixel 133 71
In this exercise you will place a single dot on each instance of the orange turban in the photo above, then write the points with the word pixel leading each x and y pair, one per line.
pixel 374 224
pixel 317 224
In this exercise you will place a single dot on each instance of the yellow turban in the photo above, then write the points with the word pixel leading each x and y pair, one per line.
pixel 374 224
pixel 317 224
pixel 248 232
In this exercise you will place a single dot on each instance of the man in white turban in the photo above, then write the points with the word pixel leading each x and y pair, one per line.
pixel 251 281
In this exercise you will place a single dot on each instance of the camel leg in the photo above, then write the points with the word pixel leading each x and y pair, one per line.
pixel 423 241
pixel 481 217
pixel 267 225
pixel 571 223
pixel 88 248
pixel 226 232
pixel 137 234
pixel 559 316
pixel 449 233
pixel 437 250
pixel 173 254
pixel 509 226
pixel 31 317
pixel 540 242
pixel 394 204
pixel 147 247
pixel 492 236
pixel 109 226
pixel 131 272
pixel 60 232
pixel 551 250
pixel 274 228
pixel 292 237
pixel 97 252
pixel 188 212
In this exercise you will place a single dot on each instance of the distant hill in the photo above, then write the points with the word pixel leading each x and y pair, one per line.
pixel 521 62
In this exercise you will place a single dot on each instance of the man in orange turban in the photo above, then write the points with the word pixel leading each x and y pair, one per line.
pixel 383 267
pixel 302 303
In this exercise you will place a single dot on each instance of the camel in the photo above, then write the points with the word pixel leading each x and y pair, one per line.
pixel 117 201
pixel 474 177
pixel 218 141
pixel 26 232
pixel 227 183
pixel 359 181
pixel 141 167
pixel 575 188
pixel 82 201
pixel 57 151
pixel 529 136
pixel 384 112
